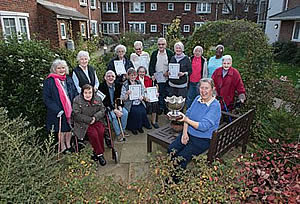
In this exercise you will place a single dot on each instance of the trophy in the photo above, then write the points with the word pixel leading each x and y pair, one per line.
pixel 174 104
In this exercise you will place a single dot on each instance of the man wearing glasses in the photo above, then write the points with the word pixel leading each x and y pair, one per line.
pixel 158 70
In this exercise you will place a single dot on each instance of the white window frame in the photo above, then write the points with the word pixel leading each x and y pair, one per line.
pixel 83 29
pixel 246 9
pixel 225 10
pixel 95 4
pixel 134 24
pixel 186 28
pixel 294 30
pixel 170 6
pixel 112 23
pixel 153 28
pixel 106 5
pixel 63 31
pixel 199 8
pixel 83 2
pixel 137 7
pixel 198 24
pixel 16 16
pixel 187 6
pixel 94 22
pixel 153 6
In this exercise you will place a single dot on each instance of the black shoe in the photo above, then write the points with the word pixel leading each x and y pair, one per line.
pixel 101 160
pixel 166 111
pixel 160 111
pixel 69 150
pixel 134 132
pixel 141 130
pixel 155 125
pixel 148 127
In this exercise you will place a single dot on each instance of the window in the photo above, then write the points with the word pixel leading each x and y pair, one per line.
pixel 187 6
pixel 296 32
pixel 82 29
pixel 198 24
pixel 246 8
pixel 111 27
pixel 186 28
pixel 93 4
pixel 137 7
pixel 153 6
pixel 225 9
pixel 153 28
pixel 137 27
pixel 203 8
pixel 15 23
pixel 63 32
pixel 83 2
pixel 94 30
pixel 170 6
pixel 110 7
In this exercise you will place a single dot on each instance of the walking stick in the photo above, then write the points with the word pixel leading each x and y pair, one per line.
pixel 119 122
pixel 59 137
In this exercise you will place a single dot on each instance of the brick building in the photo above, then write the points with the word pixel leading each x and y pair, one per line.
pixel 153 16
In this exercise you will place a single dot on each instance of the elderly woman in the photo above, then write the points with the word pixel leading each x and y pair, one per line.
pixel 137 117
pixel 140 58
pixel 88 111
pixel 58 94
pixel 152 107
pixel 178 87
pixel 120 50
pixel 200 121
pixel 84 73
pixel 215 61
pixel 199 71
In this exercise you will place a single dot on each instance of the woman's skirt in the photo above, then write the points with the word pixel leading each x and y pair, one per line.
pixel 137 117
pixel 152 107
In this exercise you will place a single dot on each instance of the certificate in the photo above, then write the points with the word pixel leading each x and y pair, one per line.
pixel 119 67
pixel 135 92
pixel 152 94
pixel 144 61
pixel 159 76
pixel 101 95
pixel 174 70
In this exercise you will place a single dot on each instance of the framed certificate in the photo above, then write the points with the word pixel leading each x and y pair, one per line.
pixel 159 76
pixel 136 91
pixel 101 95
pixel 152 94
pixel 144 61
pixel 174 70
pixel 119 67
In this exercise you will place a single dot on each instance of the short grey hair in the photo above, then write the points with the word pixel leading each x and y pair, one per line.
pixel 198 47
pixel 162 39
pixel 58 62
pixel 83 53
pixel 180 44
pixel 110 72
pixel 221 46
pixel 138 43
pixel 208 80
pixel 120 47
pixel 131 71
pixel 227 57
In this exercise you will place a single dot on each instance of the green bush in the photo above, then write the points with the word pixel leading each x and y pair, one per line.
pixel 174 33
pixel 286 51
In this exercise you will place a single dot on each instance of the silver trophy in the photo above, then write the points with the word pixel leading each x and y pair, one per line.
pixel 174 104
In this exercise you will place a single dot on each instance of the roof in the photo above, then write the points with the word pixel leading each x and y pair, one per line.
pixel 291 14
pixel 62 11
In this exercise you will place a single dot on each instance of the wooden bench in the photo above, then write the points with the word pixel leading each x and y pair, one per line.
pixel 227 135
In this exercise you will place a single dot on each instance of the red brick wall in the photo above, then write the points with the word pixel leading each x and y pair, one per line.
pixel 293 3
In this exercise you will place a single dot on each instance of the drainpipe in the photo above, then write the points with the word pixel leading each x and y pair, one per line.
pixel 89 21
pixel 217 8
pixel 123 7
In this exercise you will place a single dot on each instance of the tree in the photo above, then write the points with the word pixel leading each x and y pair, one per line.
pixel 233 5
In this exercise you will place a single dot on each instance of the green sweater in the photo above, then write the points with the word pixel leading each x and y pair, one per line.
pixel 153 60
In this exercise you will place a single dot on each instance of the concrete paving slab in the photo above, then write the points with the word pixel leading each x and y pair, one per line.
pixel 137 170
pixel 117 171
pixel 134 152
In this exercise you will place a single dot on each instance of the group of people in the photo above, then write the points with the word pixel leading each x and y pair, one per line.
pixel 81 103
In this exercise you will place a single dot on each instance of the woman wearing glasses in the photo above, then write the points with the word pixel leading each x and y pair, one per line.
pixel 140 58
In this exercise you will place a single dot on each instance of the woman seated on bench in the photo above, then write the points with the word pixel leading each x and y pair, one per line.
pixel 201 119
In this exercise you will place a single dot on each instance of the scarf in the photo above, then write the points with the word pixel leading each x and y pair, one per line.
pixel 64 99
pixel 179 57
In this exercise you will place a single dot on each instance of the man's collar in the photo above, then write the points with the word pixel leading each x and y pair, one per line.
pixel 207 103
pixel 110 86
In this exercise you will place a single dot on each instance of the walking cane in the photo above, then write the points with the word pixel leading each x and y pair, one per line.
pixel 119 122
pixel 59 137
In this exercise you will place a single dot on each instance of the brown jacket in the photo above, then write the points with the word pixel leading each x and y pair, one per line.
pixel 83 113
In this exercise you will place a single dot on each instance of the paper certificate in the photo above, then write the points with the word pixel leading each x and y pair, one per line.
pixel 174 70
pixel 159 76
pixel 119 67
pixel 101 95
pixel 135 91
pixel 144 61
pixel 152 94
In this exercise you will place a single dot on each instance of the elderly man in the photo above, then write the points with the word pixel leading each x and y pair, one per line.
pixel 112 91
pixel 158 69
pixel 228 81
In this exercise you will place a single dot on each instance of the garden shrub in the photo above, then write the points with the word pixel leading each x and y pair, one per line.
pixel 285 51
pixel 174 33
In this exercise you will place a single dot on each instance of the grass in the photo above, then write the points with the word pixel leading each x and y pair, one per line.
pixel 291 71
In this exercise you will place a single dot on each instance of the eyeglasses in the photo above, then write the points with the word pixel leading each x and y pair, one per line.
pixel 138 48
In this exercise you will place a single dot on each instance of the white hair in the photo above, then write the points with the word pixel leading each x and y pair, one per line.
pixel 162 39
pixel 138 43
pixel 58 62
pixel 120 47
pixel 110 72
pixel 221 46
pixel 83 53
pixel 180 44
pixel 198 47
pixel 227 57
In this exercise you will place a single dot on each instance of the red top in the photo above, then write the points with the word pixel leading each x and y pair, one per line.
pixel 147 81
pixel 196 69
pixel 227 86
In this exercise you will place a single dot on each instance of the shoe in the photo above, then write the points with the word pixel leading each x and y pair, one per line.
pixel 69 150
pixel 148 127
pixel 141 130
pixel 134 132
pixel 126 134
pixel 107 141
pixel 101 160
pixel 166 111
pixel 160 111
pixel 120 138
pixel 155 125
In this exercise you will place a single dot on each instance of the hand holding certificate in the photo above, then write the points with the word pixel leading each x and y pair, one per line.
pixel 174 70
pixel 135 92
pixel 119 67
pixel 152 94
pixel 159 76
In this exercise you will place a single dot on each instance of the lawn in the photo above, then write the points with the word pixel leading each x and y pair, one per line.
pixel 291 71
